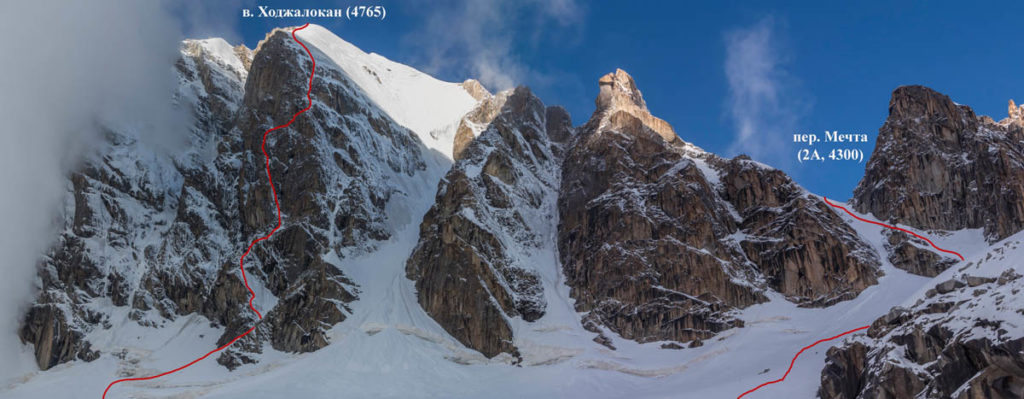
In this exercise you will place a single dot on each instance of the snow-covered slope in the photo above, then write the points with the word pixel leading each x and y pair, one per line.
pixel 412 98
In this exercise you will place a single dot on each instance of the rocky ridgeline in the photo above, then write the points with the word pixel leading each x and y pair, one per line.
pixel 657 239
pixel 662 241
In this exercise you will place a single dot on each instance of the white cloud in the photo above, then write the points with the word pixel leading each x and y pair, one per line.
pixel 765 103
pixel 67 69
pixel 479 38
pixel 201 19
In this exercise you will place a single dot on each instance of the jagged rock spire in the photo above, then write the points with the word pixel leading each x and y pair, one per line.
pixel 619 89
pixel 1016 112
pixel 620 94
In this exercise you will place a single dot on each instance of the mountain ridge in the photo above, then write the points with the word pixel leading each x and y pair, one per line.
pixel 612 245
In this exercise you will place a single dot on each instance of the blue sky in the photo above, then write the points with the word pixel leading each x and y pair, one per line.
pixel 729 76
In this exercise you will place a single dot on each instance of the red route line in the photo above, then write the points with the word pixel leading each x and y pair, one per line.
pixel 856 329
pixel 252 295
pixel 791 363
pixel 895 228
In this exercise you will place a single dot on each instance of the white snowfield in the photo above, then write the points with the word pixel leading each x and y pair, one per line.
pixel 388 347
pixel 410 97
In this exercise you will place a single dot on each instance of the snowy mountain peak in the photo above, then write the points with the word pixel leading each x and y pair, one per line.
pixel 427 106
pixel 608 260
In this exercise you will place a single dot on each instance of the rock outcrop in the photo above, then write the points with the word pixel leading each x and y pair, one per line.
pixel 474 123
pixel 474 265
pixel 961 340
pixel 915 255
pixel 1014 112
pixel 937 165
pixel 475 89
pixel 618 93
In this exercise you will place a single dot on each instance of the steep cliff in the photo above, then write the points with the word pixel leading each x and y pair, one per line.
pixel 126 231
pixel 474 266
pixel 937 165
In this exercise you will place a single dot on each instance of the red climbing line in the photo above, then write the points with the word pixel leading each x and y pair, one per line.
pixel 241 262
pixel 856 329
pixel 791 363
pixel 895 228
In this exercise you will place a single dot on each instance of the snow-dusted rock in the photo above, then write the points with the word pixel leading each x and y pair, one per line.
pixel 660 240
pixel 961 339
pixel 937 165
pixel 161 234
pixel 473 265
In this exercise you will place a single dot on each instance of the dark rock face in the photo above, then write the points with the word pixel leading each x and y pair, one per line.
pixel 914 255
pixel 801 246
pixel 471 265
pixel 937 165
pixel 945 346
pixel 648 230
pixel 55 342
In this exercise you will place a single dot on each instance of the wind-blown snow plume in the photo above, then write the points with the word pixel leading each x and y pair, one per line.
pixel 71 70
pixel 478 38
pixel 764 100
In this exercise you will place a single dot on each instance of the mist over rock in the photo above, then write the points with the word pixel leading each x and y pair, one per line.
pixel 160 237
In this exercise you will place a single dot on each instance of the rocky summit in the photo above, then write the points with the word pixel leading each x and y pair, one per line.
pixel 938 166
